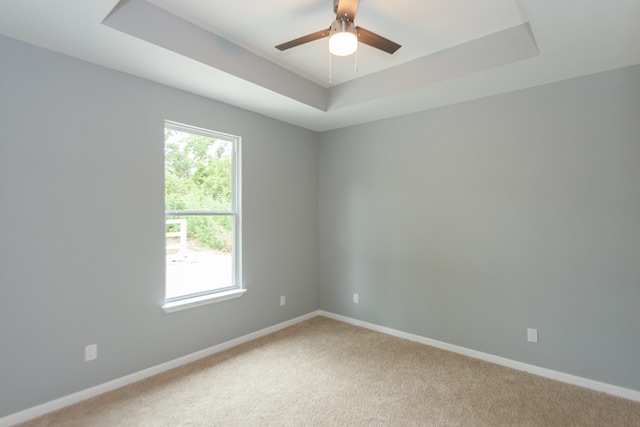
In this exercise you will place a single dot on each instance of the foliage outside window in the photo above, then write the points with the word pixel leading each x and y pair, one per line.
pixel 201 211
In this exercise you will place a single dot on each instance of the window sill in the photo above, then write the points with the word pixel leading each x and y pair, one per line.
pixel 184 304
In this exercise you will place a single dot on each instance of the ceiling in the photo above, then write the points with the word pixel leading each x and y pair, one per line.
pixel 417 25
pixel 452 50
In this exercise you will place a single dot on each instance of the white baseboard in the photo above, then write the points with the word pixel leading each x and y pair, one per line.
pixel 543 372
pixel 54 405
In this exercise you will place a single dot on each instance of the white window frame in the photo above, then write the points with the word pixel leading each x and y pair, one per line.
pixel 236 290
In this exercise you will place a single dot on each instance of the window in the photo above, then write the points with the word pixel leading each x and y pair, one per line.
pixel 202 215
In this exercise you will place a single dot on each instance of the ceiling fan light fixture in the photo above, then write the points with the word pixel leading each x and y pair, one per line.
pixel 343 40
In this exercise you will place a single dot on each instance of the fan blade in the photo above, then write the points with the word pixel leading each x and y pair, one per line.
pixel 304 39
pixel 374 40
pixel 347 10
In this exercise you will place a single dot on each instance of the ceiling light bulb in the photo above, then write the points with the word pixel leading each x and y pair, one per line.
pixel 343 40
pixel 343 44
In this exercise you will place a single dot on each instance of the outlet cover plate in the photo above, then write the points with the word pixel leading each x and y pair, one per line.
pixel 91 352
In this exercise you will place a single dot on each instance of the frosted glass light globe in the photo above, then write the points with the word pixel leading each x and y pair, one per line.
pixel 343 43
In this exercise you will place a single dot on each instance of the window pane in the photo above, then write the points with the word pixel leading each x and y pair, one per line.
pixel 202 211
pixel 198 172
pixel 199 254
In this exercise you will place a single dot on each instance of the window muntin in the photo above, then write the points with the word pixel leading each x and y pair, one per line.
pixel 202 212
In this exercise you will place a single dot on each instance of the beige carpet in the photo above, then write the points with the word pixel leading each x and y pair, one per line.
pixel 322 372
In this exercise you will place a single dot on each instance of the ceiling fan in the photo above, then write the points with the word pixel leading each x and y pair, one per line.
pixel 343 34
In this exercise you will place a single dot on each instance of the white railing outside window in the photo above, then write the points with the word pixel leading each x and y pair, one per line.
pixel 181 245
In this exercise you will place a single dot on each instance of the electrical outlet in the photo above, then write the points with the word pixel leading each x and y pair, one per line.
pixel 283 300
pixel 532 335
pixel 91 352
pixel 355 298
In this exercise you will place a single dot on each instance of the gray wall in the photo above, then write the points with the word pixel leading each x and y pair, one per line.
pixel 470 223
pixel 82 223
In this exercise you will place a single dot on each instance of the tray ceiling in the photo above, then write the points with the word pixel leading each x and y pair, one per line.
pixel 452 50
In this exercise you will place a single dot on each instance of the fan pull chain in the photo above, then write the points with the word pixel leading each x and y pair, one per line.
pixel 356 67
pixel 329 67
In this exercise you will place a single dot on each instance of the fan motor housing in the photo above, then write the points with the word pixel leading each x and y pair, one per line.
pixel 342 26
